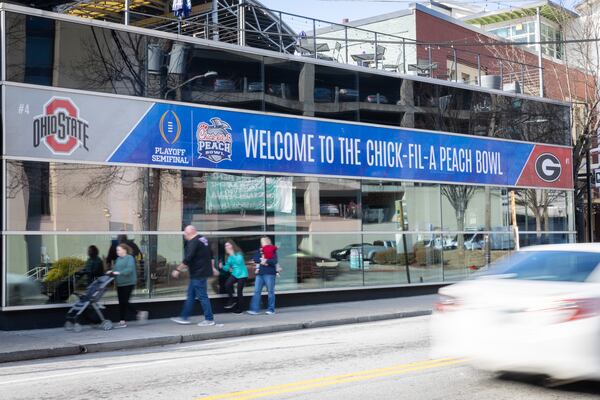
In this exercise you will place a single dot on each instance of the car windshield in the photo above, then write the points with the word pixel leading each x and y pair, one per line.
pixel 567 266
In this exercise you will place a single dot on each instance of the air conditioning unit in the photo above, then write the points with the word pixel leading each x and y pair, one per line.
pixel 491 81
pixel 513 87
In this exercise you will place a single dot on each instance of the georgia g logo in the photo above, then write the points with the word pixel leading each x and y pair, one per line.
pixel 60 128
pixel 214 140
pixel 548 167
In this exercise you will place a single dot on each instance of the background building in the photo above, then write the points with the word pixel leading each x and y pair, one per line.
pixel 365 178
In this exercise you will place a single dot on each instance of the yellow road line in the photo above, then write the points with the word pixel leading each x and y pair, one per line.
pixel 336 380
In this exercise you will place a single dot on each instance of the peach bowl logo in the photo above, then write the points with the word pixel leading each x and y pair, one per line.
pixel 60 127
pixel 214 140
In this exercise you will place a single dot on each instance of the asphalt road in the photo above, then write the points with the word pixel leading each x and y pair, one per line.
pixel 384 360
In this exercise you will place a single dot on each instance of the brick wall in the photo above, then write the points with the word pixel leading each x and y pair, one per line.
pixel 430 28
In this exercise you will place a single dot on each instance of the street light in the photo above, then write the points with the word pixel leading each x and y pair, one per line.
pixel 206 75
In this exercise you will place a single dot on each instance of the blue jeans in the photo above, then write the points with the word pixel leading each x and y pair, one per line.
pixel 197 289
pixel 269 282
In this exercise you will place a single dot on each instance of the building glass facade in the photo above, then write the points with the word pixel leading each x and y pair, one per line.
pixel 340 231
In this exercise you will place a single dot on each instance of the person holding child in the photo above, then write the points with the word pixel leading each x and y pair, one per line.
pixel 266 271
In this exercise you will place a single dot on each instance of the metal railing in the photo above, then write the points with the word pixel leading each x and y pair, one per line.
pixel 254 26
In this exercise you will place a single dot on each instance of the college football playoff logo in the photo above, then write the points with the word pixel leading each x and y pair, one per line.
pixel 214 140
pixel 548 167
pixel 169 127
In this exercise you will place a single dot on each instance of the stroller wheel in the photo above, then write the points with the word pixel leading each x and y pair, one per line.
pixel 106 325
pixel 77 327
pixel 69 326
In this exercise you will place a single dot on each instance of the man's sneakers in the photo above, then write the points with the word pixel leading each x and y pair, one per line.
pixel 229 306
pixel 257 313
pixel 181 321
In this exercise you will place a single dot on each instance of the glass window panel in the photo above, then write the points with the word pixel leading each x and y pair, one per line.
pixel 424 252
pixel 73 197
pixel 382 208
pixel 42 268
pixel 392 259
pixel 313 204
pixel 217 77
pixel 479 249
pixel 133 64
pixel 533 239
pixel 336 93
pixel 542 210
pixel 378 96
pixel 285 85
pixel 418 209
pixel 474 209
pixel 332 260
pixel 223 202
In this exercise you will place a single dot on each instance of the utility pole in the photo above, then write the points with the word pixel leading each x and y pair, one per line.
pixel 588 183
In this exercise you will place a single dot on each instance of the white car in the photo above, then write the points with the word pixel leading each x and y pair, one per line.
pixel 535 311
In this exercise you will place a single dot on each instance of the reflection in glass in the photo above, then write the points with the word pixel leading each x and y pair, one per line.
pixel 285 86
pixel 72 197
pixel 114 61
pixel 541 210
pixel 473 208
pixel 219 201
pixel 479 249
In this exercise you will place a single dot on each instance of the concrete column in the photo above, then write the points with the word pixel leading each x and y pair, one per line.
pixel 306 89
pixel 311 200
pixel 407 101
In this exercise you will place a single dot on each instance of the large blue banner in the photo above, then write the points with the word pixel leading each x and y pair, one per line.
pixel 207 138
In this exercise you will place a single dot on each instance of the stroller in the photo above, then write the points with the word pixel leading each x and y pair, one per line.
pixel 88 301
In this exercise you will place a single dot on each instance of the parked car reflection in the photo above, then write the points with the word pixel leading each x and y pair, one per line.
pixel 24 291
pixel 377 98
pixel 369 250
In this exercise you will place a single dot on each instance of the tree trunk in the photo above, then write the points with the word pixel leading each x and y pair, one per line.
pixel 538 224
pixel 460 223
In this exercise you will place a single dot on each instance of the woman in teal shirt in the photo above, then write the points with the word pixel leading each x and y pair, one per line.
pixel 234 262
pixel 125 278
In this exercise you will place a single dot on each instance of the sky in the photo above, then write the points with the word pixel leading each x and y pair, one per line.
pixel 333 10
pixel 336 10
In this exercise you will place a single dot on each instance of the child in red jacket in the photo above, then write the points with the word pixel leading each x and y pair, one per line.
pixel 268 251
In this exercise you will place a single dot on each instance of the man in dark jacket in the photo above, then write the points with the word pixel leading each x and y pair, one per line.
pixel 200 263
pixel 122 239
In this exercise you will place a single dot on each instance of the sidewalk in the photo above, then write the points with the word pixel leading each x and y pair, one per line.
pixel 43 343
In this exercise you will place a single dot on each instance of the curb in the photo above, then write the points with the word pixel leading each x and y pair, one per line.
pixel 36 354
pixel 71 350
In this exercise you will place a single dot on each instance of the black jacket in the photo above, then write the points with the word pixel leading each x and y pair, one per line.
pixel 112 251
pixel 198 257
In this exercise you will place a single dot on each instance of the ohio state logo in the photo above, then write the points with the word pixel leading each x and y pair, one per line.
pixel 60 128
